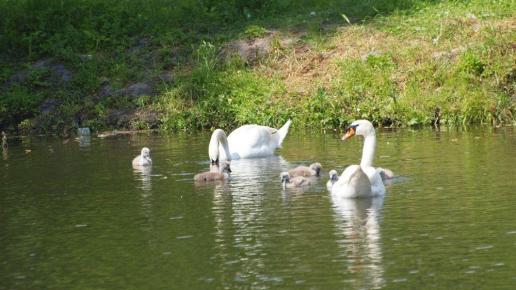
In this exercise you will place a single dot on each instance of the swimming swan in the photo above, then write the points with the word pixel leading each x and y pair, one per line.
pixel 143 159
pixel 313 170
pixel 223 173
pixel 360 180
pixel 296 181
pixel 248 141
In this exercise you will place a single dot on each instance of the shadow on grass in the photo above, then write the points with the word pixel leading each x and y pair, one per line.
pixel 36 28
pixel 109 45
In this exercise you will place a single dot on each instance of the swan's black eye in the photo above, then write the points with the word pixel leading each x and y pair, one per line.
pixel 354 127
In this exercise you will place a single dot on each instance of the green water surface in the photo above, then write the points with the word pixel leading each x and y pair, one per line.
pixel 76 215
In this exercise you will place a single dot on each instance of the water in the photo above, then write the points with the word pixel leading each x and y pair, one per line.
pixel 77 216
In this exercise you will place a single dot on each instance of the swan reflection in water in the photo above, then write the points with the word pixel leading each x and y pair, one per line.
pixel 143 174
pixel 240 218
pixel 252 174
pixel 358 220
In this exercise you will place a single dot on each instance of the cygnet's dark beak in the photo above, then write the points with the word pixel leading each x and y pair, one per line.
pixel 284 179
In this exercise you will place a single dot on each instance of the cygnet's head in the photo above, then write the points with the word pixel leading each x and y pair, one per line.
pixel 359 127
pixel 285 177
pixel 224 167
pixel 316 167
pixel 334 176
pixel 145 152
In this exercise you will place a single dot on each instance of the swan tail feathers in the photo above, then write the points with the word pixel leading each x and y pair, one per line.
pixel 282 132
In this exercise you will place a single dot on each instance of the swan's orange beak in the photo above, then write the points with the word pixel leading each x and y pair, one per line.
pixel 349 133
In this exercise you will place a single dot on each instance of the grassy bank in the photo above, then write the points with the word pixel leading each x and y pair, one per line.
pixel 181 65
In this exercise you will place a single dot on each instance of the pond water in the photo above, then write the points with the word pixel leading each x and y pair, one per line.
pixel 76 215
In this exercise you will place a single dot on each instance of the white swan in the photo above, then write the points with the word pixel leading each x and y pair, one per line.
pixel 143 159
pixel 360 180
pixel 248 141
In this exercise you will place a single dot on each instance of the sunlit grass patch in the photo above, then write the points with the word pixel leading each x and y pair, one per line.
pixel 322 63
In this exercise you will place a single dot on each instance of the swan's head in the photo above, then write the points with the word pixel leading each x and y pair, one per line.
pixel 359 127
pixel 145 152
pixel 285 178
pixel 334 176
pixel 316 167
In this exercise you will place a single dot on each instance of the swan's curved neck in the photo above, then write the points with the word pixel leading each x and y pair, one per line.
pixel 219 139
pixel 368 150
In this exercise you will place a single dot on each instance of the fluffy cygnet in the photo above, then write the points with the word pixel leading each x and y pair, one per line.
pixel 334 177
pixel 296 181
pixel 143 159
pixel 306 171
pixel 223 174
pixel 385 173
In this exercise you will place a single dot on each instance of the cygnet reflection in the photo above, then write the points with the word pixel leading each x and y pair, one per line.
pixel 143 174
pixel 357 219
pixel 4 141
pixel 84 141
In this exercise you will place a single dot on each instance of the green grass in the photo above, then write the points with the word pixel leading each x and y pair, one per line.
pixel 393 62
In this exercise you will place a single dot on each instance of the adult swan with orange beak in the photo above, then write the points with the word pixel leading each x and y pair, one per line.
pixel 362 180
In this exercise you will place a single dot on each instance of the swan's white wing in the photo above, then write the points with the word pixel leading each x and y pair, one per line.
pixel 377 187
pixel 352 183
pixel 251 141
